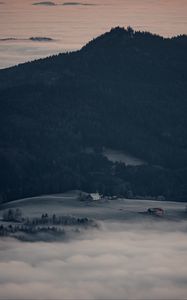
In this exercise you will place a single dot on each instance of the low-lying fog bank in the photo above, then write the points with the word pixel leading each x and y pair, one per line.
pixel 130 254
pixel 122 260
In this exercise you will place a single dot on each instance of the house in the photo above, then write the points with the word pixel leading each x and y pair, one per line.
pixel 156 211
pixel 95 196
pixel 89 197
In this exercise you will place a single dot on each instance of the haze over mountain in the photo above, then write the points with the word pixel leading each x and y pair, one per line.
pixel 125 90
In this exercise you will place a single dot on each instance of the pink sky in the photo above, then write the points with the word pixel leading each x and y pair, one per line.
pixel 73 26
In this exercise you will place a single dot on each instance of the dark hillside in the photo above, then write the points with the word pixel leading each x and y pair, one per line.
pixel 125 90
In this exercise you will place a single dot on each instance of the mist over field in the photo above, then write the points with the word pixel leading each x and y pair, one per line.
pixel 131 260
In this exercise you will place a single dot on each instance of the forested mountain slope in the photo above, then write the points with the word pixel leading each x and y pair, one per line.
pixel 124 90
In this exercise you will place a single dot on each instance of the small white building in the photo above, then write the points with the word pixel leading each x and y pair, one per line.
pixel 95 196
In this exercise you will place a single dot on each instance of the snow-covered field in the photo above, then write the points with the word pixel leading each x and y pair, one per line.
pixel 103 209
pixel 131 255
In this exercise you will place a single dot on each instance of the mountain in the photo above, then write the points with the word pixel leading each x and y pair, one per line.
pixel 125 90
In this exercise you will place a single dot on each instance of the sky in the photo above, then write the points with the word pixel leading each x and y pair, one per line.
pixel 72 26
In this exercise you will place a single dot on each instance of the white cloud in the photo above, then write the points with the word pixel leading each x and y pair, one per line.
pixel 121 261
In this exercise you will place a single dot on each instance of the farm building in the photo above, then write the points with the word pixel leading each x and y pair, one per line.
pixel 156 211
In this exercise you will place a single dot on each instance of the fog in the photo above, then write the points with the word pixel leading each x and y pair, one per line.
pixel 72 26
pixel 127 260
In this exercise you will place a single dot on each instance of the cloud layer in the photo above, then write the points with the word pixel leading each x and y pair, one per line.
pixel 46 3
pixel 75 24
pixel 121 261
